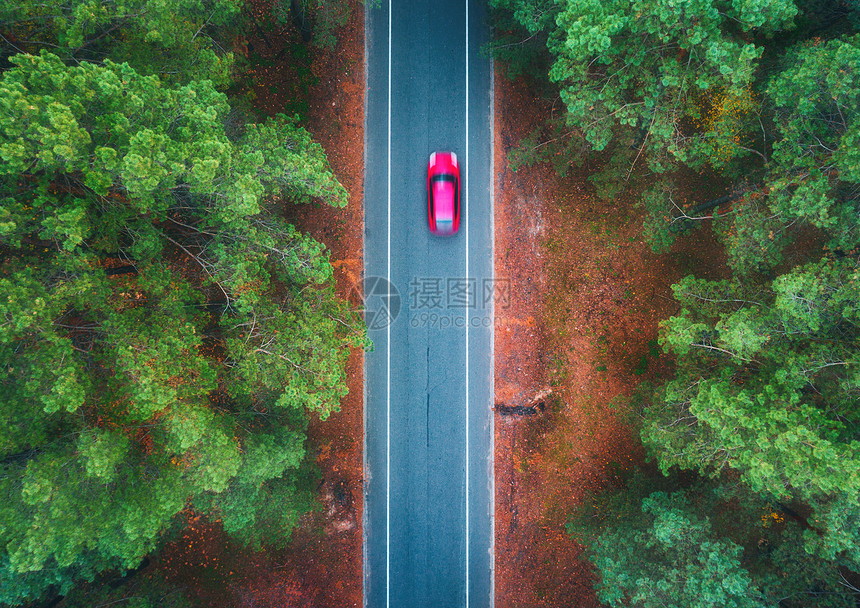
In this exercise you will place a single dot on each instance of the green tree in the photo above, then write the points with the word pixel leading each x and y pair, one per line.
pixel 165 334
pixel 318 20
pixel 672 560
pixel 700 544
pixel 805 172
pixel 677 86
pixel 135 589
pixel 178 40
pixel 767 385
pixel 521 29
pixel 813 173
pixel 646 68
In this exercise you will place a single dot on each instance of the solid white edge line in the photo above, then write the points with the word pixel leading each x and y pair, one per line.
pixel 492 337
pixel 364 463
pixel 468 320
pixel 388 347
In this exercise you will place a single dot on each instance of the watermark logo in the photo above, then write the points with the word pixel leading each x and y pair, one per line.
pixel 435 302
pixel 447 293
pixel 381 301
pixel 456 302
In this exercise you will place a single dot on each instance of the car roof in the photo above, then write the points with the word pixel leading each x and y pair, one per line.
pixel 443 198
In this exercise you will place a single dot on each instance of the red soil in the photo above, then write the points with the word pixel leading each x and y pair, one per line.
pixel 328 549
pixel 587 294
pixel 322 566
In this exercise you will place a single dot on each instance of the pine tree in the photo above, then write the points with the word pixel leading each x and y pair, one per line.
pixel 767 385
pixel 165 333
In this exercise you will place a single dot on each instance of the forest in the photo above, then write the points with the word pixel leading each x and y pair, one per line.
pixel 166 334
pixel 751 493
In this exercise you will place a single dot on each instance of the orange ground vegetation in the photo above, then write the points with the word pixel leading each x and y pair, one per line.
pixel 322 564
pixel 328 550
pixel 587 294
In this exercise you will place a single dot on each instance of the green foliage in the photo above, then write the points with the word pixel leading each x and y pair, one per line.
pixel 817 100
pixel 614 175
pixel 187 375
pixel 767 385
pixel 674 562
pixel 179 40
pixel 662 214
pixel 551 142
pixel 679 86
pixel 260 514
pixel 135 589
pixel 644 67
pixel 703 545
pixel 521 28
pixel 320 19
pixel 811 175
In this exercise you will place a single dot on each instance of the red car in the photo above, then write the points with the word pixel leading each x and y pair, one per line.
pixel 443 193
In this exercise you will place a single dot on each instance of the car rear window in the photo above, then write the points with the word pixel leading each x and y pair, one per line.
pixel 445 225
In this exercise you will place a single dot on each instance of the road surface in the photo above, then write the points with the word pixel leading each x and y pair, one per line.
pixel 428 423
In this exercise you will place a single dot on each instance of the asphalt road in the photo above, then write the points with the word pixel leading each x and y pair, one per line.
pixel 428 429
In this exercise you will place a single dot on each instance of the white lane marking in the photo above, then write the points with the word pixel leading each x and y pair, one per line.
pixel 388 350
pixel 388 328
pixel 468 320
pixel 492 337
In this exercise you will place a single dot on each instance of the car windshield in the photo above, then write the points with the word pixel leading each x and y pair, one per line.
pixel 444 190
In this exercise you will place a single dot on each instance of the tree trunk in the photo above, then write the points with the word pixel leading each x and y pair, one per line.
pixel 300 18
pixel 680 225
pixel 20 457
pixel 536 405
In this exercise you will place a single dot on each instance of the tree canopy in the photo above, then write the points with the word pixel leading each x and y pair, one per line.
pixel 165 334
pixel 700 546
pixel 807 174
pixel 672 85
pixel 677 563
pixel 760 96
pixel 767 385
pixel 178 40
pixel 645 65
